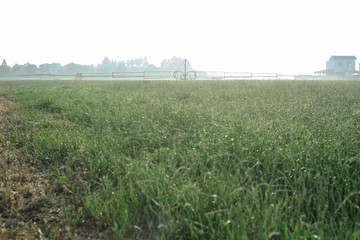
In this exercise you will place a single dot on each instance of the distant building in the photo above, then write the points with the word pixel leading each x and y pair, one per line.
pixel 49 68
pixel 54 68
pixel 339 67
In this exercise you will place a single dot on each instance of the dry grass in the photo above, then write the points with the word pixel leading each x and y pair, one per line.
pixel 29 204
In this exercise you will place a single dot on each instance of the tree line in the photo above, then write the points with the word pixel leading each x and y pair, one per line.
pixel 106 66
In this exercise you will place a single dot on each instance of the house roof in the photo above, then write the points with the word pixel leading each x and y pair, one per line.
pixel 344 57
pixel 327 72
pixel 322 71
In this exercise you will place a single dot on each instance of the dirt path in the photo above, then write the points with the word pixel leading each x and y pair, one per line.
pixel 28 202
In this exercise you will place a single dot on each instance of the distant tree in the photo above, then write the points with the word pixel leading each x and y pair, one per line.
pixel 87 68
pixel 107 66
pixel 121 67
pixel 145 62
pixel 71 68
pixel 74 68
pixel 135 62
pixel 141 64
pixel 44 68
pixel 138 64
pixel 17 69
pixel 152 67
pixel 5 70
pixel 174 64
pixel 30 68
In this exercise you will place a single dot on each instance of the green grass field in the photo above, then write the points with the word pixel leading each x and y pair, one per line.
pixel 196 159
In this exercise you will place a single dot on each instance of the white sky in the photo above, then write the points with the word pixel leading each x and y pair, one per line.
pixel 277 36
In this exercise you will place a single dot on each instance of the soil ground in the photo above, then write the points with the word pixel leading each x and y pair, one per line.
pixel 29 205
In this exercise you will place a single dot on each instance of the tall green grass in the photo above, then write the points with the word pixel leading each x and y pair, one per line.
pixel 199 160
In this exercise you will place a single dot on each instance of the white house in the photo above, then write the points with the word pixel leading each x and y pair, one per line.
pixel 339 66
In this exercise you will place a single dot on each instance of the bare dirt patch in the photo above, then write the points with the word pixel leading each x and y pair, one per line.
pixel 29 205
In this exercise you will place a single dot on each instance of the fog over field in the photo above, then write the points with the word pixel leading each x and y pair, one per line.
pixel 147 156
pixel 288 37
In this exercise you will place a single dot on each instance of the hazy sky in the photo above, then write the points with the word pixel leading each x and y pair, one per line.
pixel 278 36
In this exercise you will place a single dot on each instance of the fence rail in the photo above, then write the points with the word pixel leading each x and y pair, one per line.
pixel 166 75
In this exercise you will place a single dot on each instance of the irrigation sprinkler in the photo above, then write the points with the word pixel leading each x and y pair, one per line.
pixel 185 75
